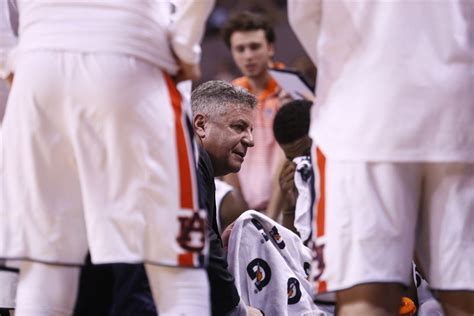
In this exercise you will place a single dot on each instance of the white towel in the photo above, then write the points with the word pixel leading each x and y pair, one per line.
pixel 270 265
pixel 304 184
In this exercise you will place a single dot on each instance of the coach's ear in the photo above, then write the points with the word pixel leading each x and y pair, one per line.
pixel 199 125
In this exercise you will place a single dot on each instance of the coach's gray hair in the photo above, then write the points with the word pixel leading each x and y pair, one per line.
pixel 217 96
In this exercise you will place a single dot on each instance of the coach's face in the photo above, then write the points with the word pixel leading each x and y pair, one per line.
pixel 226 137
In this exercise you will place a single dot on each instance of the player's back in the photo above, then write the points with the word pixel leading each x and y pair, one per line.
pixel 137 28
pixel 404 69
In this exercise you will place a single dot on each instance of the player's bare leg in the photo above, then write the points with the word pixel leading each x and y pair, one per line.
pixel 457 303
pixel 375 299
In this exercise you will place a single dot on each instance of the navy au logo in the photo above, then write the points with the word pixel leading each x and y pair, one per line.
pixel 192 232
pixel 259 270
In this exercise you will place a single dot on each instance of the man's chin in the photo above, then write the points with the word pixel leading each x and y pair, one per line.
pixel 253 75
pixel 235 168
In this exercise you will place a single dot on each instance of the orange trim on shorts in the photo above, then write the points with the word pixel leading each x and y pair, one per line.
pixel 319 210
pixel 185 177
pixel 320 206
pixel 186 259
pixel 322 287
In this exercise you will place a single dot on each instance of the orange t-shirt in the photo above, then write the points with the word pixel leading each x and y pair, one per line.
pixel 261 161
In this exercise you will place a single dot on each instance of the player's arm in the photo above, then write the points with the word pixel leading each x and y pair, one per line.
pixel 233 180
pixel 277 198
pixel 8 39
pixel 304 18
pixel 186 32
pixel 287 185
pixel 232 206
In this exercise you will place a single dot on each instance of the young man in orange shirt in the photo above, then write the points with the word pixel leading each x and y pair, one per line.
pixel 250 39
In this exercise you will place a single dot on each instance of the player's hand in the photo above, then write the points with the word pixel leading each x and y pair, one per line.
pixel 226 235
pixel 287 181
pixel 9 80
pixel 252 311
pixel 188 72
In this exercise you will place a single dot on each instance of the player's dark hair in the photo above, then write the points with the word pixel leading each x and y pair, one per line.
pixel 247 21
pixel 292 121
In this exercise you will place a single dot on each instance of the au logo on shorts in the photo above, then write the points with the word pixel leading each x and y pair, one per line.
pixel 192 232
pixel 259 270
pixel 294 291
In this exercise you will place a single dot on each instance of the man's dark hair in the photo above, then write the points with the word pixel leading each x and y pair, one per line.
pixel 247 21
pixel 292 121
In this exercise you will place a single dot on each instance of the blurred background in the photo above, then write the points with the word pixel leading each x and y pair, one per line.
pixel 216 58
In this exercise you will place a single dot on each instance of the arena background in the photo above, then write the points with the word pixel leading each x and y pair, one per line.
pixel 216 58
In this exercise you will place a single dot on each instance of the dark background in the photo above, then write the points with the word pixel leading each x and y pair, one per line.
pixel 217 61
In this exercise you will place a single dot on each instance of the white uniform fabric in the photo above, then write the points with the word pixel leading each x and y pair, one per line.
pixel 93 160
pixel 304 203
pixel 375 227
pixel 98 155
pixel 8 40
pixel 222 189
pixel 145 29
pixel 393 116
pixel 395 78
pixel 270 265
pixel 46 290
pixel 8 277
pixel 179 291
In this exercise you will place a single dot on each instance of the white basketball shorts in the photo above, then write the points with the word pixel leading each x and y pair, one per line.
pixel 371 217
pixel 97 156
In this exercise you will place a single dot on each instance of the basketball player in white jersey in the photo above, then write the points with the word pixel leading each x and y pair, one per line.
pixel 8 275
pixel 394 118
pixel 97 153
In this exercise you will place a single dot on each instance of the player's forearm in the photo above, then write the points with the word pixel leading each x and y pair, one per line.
pixel 8 39
pixel 288 216
pixel 187 28
pixel 304 18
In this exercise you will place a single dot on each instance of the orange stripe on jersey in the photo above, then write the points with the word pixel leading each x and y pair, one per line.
pixel 321 204
pixel 186 259
pixel 185 177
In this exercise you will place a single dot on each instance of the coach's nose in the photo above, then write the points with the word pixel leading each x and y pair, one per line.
pixel 247 140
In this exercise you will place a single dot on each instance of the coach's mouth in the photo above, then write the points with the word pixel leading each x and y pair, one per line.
pixel 239 154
